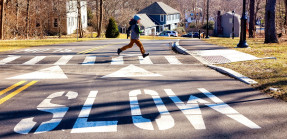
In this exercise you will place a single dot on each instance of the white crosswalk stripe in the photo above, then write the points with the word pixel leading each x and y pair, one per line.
pixel 9 59
pixel 34 60
pixel 145 61
pixel 63 60
pixel 173 60
pixel 118 60
pixel 89 60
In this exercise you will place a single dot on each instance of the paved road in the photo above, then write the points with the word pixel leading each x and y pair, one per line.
pixel 84 90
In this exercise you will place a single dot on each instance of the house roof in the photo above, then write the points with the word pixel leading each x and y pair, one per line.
pixel 146 21
pixel 158 8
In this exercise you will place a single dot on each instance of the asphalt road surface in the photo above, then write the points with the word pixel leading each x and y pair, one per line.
pixel 84 90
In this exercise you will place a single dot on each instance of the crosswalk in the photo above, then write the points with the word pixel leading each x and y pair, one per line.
pixel 93 60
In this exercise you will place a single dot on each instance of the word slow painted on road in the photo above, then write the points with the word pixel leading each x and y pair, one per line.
pixel 165 121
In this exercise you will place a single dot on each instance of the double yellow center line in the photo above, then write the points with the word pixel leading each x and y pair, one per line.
pixel 99 47
pixel 14 93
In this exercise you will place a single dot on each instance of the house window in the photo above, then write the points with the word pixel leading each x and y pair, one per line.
pixel 161 18
pixel 55 22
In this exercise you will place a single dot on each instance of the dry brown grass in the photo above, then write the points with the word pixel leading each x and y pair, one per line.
pixel 268 73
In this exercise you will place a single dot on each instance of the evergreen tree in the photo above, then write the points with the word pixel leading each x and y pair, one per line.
pixel 112 29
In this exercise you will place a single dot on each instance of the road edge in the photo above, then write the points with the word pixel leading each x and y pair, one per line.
pixel 176 47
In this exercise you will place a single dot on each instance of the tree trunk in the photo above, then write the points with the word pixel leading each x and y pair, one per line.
pixel 60 19
pixel 285 3
pixel 204 12
pixel 2 19
pixel 270 24
pixel 97 14
pixel 80 29
pixel 101 19
pixel 17 16
pixel 27 19
pixel 252 19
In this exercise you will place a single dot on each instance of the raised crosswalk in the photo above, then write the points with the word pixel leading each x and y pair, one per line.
pixel 94 60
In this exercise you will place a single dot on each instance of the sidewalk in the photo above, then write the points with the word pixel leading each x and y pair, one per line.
pixel 214 54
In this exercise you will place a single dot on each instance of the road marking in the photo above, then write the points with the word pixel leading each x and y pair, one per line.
pixel 164 122
pixel 9 59
pixel 63 60
pixel 34 60
pixel 145 60
pixel 89 60
pixel 58 112
pixel 54 72
pixel 224 108
pixel 173 60
pixel 4 99
pixel 191 109
pixel 98 47
pixel 82 124
pixel 117 60
pixel 11 87
pixel 132 71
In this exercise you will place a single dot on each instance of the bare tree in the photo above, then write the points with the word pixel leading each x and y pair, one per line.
pixel 285 3
pixel 28 19
pixel 80 27
pixel 252 19
pixel 101 19
pixel 2 19
pixel 270 24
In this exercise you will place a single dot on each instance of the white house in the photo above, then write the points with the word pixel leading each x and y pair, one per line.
pixel 72 14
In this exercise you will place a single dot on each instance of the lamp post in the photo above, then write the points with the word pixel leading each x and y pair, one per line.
pixel 207 19
pixel 242 43
pixel 233 13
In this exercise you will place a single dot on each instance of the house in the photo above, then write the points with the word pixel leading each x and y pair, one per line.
pixel 192 16
pixel 164 16
pixel 147 25
pixel 67 18
pixel 224 24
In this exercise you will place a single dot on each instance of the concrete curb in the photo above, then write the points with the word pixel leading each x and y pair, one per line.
pixel 175 46
pixel 233 74
pixel 184 51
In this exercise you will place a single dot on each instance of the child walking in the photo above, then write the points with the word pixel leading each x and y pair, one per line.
pixel 135 36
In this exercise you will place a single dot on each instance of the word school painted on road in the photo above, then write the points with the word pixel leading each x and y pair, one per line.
pixel 165 121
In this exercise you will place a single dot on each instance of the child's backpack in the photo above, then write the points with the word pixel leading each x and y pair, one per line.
pixel 129 32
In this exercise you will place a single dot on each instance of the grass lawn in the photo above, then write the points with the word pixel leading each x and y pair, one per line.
pixel 268 73
pixel 8 45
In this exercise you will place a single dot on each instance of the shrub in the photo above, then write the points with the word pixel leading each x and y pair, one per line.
pixel 210 25
pixel 112 29
pixel 192 25
pixel 180 30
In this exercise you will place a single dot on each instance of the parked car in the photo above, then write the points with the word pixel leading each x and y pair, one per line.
pixel 164 34
pixel 169 33
pixel 195 35
pixel 187 35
